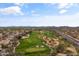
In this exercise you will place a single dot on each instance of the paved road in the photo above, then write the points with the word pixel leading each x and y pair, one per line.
pixel 68 37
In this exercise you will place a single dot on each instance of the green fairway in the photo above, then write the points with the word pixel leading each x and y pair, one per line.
pixel 32 45
pixel 49 34
pixel 30 50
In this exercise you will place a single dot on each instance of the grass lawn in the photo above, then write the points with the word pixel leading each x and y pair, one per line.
pixel 49 34
pixel 28 46
pixel 30 50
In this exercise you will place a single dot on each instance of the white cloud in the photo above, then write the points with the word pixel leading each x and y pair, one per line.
pixel 11 10
pixel 19 4
pixel 64 5
pixel 62 11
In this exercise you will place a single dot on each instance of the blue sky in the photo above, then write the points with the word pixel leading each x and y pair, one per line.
pixel 39 14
